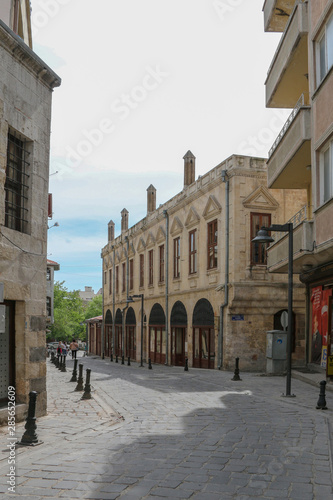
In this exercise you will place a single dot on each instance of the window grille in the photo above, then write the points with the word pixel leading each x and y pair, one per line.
pixel 16 185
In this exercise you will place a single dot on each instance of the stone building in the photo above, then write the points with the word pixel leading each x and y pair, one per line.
pixel 206 293
pixel 300 77
pixel 88 294
pixel 26 85
pixel 51 267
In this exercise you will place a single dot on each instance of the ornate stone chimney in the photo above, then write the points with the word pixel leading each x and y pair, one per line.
pixel 189 168
pixel 124 220
pixel 151 199
pixel 110 231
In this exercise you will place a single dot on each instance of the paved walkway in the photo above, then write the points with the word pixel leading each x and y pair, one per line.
pixel 166 433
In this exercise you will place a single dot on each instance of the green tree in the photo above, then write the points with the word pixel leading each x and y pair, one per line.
pixel 94 308
pixel 68 315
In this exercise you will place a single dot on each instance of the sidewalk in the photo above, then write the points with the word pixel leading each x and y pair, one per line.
pixel 166 433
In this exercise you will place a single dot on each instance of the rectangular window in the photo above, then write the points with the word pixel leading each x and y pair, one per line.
pixel 258 250
pixel 105 275
pixel 151 267
pixel 326 174
pixel 325 51
pixel 123 269
pixel 142 270
pixel 48 307
pixel 161 266
pixel 48 274
pixel 131 267
pixel 176 257
pixel 193 252
pixel 16 185
pixel 117 279
pixel 212 245
pixel 110 281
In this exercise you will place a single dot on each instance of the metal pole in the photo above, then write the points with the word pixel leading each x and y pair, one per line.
pixel 166 215
pixel 290 308
pixel 141 330
pixel 113 298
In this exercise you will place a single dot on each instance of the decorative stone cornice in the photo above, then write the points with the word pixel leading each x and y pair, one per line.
pixel 27 57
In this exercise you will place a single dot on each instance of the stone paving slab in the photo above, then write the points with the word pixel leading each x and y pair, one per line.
pixel 163 433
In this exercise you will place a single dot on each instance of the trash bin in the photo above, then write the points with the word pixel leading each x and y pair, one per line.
pixel 276 352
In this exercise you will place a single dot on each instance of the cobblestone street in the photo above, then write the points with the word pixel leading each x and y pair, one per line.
pixel 166 433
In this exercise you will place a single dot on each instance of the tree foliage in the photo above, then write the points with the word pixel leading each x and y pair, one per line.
pixel 69 315
pixel 94 308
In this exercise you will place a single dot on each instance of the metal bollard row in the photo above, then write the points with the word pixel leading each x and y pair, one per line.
pixel 236 372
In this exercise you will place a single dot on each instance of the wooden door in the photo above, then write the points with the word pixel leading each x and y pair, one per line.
pixel 178 346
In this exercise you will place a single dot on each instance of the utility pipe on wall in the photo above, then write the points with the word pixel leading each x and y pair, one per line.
pixel 127 281
pixel 103 329
pixel 226 279
pixel 166 215
pixel 113 297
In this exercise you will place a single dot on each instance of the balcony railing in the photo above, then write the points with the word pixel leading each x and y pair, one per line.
pixel 296 219
pixel 302 101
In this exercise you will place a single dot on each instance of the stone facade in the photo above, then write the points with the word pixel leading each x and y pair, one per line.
pixel 207 294
pixel 26 86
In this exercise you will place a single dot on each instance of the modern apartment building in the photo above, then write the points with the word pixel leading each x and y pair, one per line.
pixel 26 86
pixel 300 77
pixel 186 282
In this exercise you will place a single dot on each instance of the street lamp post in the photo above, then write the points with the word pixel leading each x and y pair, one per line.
pixel 263 237
pixel 130 299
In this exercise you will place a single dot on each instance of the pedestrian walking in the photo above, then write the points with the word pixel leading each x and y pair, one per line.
pixel 59 348
pixel 74 348
pixel 64 349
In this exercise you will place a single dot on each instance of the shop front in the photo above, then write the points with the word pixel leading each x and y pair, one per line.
pixel 319 283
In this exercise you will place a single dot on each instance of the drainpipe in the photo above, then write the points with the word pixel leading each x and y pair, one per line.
pixel 226 279
pixel 103 281
pixel 127 282
pixel 113 297
pixel 166 215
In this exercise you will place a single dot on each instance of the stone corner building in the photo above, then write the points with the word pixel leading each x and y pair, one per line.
pixel 206 292
pixel 26 86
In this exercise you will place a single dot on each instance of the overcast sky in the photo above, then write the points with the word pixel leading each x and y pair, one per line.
pixel 142 83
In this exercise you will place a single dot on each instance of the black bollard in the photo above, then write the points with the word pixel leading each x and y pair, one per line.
pixel 56 361
pixel 52 357
pixel 236 373
pixel 74 374
pixel 103 356
pixel 60 363
pixel 111 357
pixel 63 367
pixel 186 365
pixel 116 358
pixel 87 393
pixel 149 364
pixel 128 361
pixel 30 437
pixel 123 360
pixel 321 405
pixel 79 386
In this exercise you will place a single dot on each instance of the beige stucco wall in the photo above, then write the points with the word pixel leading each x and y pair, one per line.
pixel 317 9
pixel 323 109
